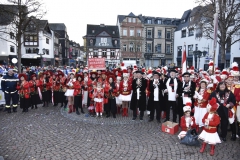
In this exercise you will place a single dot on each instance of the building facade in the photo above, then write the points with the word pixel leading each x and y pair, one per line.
pixel 131 30
pixel 159 40
pixel 38 39
pixel 74 53
pixel 61 29
pixel 102 41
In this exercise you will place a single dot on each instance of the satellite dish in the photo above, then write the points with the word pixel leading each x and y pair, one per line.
pixel 14 60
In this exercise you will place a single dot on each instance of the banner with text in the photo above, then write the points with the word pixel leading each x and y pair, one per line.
pixel 96 63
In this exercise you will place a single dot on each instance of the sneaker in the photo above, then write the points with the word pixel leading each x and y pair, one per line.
pixel 134 118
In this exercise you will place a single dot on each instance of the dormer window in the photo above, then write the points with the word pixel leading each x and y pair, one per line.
pixel 149 21
pixel 93 31
pixel 159 21
pixel 115 42
pixel 113 32
pixel 183 21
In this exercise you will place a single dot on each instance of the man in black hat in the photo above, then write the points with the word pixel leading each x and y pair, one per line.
pixel 138 100
pixel 186 92
pixel 155 97
pixel 173 86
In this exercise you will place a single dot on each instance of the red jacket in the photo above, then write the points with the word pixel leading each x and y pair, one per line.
pixel 213 123
pixel 34 85
pixel 203 103
pixel 125 90
pixel 24 89
pixel 77 85
pixel 183 123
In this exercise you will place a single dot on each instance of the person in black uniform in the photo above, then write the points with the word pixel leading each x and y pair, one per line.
pixel 9 84
pixel 187 91
pixel 138 100
pixel 155 97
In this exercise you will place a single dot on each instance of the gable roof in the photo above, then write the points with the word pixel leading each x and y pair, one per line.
pixel 99 29
pixel 57 26
pixel 131 15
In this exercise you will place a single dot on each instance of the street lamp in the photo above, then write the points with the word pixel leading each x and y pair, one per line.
pixel 198 54
pixel 42 53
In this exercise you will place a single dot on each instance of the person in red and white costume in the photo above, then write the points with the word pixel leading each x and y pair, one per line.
pixel 85 86
pixel 211 120
pixel 187 121
pixel 201 97
pixel 224 75
pixel 70 91
pixel 125 90
pixel 118 101
pixel 98 97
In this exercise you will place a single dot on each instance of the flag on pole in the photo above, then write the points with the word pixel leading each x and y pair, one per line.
pixel 184 62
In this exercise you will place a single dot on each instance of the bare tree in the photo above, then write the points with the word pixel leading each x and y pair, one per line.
pixel 228 22
pixel 16 15
pixel 136 46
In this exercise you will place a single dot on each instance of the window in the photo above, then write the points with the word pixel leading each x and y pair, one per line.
pixel 183 33
pixel 228 47
pixel 124 47
pixel 190 50
pixel 11 35
pixel 179 51
pixel 113 32
pixel 131 32
pixel 47 40
pixel 191 32
pixel 112 53
pixel 149 47
pixel 198 32
pixel 158 48
pixel 168 36
pixel 159 33
pixel 227 63
pixel 139 33
pixel 95 53
pixel 129 19
pixel 115 42
pixel 47 52
pixel 30 40
pixel 168 48
pixel 12 49
pixel 149 34
pixel 134 20
pixel 124 32
pixel 159 21
pixel 131 47
pixel 104 53
pixel 138 48
pixel 196 47
pixel 149 21
pixel 93 31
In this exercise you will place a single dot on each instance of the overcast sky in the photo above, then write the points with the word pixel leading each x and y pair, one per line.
pixel 76 14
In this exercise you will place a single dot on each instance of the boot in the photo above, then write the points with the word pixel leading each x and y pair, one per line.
pixel 35 106
pixel 203 147
pixel 77 112
pixel 26 110
pixel 233 138
pixel 47 104
pixel 14 109
pixel 164 115
pixel 118 110
pixel 9 110
pixel 82 110
pixel 126 112
pixel 61 104
pixel 123 112
pixel 238 129
pixel 43 104
pixel 212 150
pixel 32 107
pixel 70 109
pixel 73 108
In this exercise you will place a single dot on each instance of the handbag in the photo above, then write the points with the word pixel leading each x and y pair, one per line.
pixel 191 138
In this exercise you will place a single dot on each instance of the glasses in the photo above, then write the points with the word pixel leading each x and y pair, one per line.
pixel 186 76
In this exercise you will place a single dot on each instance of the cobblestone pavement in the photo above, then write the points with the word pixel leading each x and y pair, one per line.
pixel 51 133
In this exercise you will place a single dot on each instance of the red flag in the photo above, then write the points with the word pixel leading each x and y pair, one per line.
pixel 184 58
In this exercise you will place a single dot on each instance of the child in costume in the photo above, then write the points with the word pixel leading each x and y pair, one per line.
pixel 98 95
pixel 187 121
pixel 211 120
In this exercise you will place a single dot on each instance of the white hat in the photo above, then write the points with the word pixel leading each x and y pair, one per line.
pixel 187 106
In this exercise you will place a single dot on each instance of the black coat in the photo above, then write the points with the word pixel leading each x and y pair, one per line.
pixel 222 110
pixel 151 96
pixel 141 104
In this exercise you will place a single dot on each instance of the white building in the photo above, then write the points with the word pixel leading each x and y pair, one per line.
pixel 38 36
pixel 192 38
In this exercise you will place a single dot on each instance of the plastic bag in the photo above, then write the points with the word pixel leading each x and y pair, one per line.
pixel 191 138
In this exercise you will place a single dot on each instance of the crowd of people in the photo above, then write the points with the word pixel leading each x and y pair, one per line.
pixel 203 100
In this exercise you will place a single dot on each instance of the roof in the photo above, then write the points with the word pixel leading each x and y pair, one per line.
pixel 165 20
pixel 57 26
pixel 99 29
pixel 122 17
pixel 184 20
pixel 131 15
pixel 186 14
pixel 7 13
